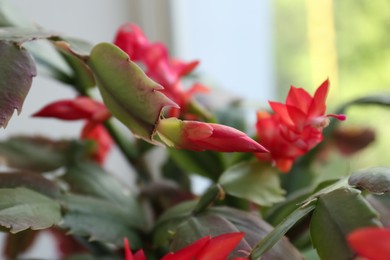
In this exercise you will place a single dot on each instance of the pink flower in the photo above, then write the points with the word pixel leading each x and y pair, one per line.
pixel 372 243
pixel 295 127
pixel 95 113
pixel 159 66
pixel 200 136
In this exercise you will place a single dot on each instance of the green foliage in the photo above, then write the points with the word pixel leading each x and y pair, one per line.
pixel 253 181
pixel 269 241
pixel 21 35
pixel 336 215
pixel 29 180
pixel 184 228
pixel 93 205
pixel 87 178
pixel 99 220
pixel 17 69
pixel 22 208
pixel 375 179
pixel 41 154
pixel 129 94
pixel 82 77
pixel 208 163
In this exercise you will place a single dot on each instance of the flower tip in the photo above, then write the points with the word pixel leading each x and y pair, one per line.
pixel 261 149
pixel 340 117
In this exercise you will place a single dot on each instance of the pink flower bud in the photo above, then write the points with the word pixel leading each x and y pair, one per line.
pixel 200 136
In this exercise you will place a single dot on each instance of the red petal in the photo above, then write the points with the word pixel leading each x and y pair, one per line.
pixel 131 40
pixel 197 130
pixel 97 133
pixel 154 54
pixel 219 247
pixel 297 116
pixel 128 253
pixel 298 97
pixel 197 88
pixel 140 255
pixel 284 165
pixel 183 68
pixel 200 136
pixel 63 109
pixel 372 243
pixel 318 106
pixel 282 111
pixel 74 109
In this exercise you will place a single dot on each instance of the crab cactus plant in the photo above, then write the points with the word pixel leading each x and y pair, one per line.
pixel 267 195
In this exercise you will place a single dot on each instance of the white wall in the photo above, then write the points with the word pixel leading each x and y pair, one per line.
pixel 233 40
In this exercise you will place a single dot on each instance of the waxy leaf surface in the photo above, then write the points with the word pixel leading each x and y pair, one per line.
pixel 99 220
pixel 375 179
pixel 87 178
pixel 73 51
pixel 129 94
pixel 337 214
pixel 32 181
pixel 40 154
pixel 17 69
pixel 183 228
pixel 22 208
pixel 21 35
pixel 253 181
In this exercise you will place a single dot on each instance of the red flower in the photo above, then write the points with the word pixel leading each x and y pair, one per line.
pixel 295 127
pixel 200 136
pixel 159 66
pixel 216 248
pixel 372 243
pixel 129 255
pixel 98 134
pixel 73 109
pixel 84 108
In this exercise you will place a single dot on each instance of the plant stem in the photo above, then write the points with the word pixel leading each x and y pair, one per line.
pixel 280 230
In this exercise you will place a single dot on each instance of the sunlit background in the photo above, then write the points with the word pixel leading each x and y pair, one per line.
pixel 249 49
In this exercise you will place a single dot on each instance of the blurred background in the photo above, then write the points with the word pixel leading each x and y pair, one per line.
pixel 249 49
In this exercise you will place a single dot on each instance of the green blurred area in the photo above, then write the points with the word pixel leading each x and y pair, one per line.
pixel 361 42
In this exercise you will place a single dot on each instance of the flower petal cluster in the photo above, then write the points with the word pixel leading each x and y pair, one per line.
pixel 159 66
pixel 216 248
pixel 200 136
pixel 139 255
pixel 295 127
pixel 95 113
pixel 372 243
